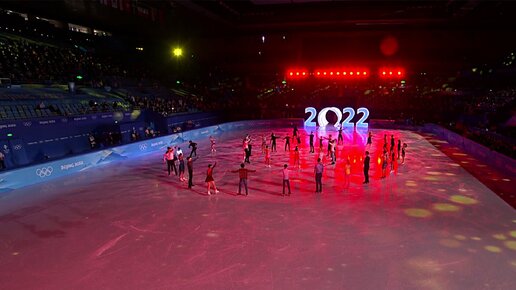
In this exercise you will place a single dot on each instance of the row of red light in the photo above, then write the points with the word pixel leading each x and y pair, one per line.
pixel 389 73
pixel 356 73
pixel 347 73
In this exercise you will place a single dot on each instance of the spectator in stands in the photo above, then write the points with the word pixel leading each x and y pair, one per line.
pixel 134 135
pixel 92 141
pixel 2 161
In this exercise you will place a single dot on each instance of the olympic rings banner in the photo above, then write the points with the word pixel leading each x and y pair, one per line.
pixel 22 177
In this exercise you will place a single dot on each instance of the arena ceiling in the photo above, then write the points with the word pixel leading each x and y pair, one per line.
pixel 431 33
pixel 441 34
pixel 250 15
pixel 295 14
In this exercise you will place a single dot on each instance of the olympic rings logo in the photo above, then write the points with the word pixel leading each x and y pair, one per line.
pixel 44 172
pixel 143 147
pixel 27 124
pixel 17 147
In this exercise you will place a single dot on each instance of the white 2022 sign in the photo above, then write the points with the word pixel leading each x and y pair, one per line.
pixel 322 121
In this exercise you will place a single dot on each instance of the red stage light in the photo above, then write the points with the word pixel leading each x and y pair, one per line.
pixel 304 73
pixel 365 73
pixel 338 73
pixel 324 73
pixel 390 73
pixel 383 73
pixel 399 73
pixel 358 73
pixel 291 73
pixel 351 73
pixel 318 73
pixel 344 73
pixel 297 73
pixel 331 73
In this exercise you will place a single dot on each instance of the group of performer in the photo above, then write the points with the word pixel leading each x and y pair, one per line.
pixel 390 155
pixel 174 155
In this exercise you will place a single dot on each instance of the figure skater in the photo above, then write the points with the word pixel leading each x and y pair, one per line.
pixel 286 181
pixel 273 142
pixel 318 170
pixel 392 143
pixel 193 145
pixel 245 147
pixel 294 134
pixel 181 167
pixel 174 160
pixel 249 143
pixel 212 146
pixel 321 154
pixel 370 139
pixel 393 158
pixel 332 145
pixel 242 174
pixel 247 154
pixel 399 149
pixel 189 165
pixel 347 173
pixel 312 149
pixel 267 156
pixel 249 147
pixel 168 157
pixel 287 142
pixel 403 153
pixel 367 160
pixel 329 146
pixel 340 138
pixel 385 158
pixel 320 142
pixel 209 178
pixel 296 158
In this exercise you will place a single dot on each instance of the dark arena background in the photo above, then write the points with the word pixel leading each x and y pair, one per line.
pixel 257 144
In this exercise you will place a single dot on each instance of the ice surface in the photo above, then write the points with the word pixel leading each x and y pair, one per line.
pixel 428 225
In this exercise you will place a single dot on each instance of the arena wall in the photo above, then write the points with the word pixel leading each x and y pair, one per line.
pixel 488 156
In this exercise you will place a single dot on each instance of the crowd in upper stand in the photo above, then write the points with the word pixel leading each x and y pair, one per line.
pixel 27 61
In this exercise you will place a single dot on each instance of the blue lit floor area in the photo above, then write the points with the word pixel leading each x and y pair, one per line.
pixel 428 225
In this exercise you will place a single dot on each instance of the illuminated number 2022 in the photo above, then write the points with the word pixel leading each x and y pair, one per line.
pixel 323 121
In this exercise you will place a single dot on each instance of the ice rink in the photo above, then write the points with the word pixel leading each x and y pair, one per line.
pixel 128 225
